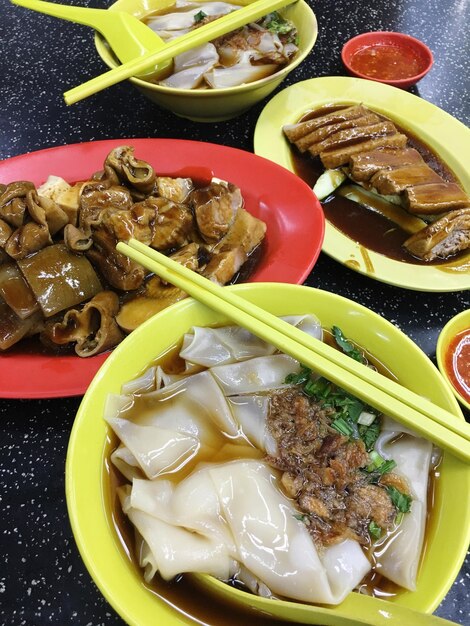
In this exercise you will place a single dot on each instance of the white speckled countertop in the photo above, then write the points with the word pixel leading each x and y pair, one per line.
pixel 42 579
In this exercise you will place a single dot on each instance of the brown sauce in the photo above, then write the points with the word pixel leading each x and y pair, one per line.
pixel 183 593
pixel 369 229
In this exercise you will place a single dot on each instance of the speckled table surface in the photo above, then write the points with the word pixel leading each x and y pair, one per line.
pixel 43 580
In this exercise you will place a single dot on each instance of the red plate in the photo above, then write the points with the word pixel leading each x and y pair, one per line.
pixel 295 229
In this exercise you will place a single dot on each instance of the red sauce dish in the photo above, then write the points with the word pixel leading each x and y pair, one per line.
pixel 387 57
pixel 453 355
pixel 457 363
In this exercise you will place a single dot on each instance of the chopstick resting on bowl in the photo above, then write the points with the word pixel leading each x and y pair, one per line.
pixel 211 30
pixel 417 413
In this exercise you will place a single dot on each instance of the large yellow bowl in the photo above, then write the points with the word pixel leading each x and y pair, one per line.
pixel 88 490
pixel 210 105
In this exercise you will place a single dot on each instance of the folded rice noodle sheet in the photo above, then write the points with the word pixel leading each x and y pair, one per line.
pixel 209 488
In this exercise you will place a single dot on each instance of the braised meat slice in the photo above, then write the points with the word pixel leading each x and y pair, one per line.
pixel 215 208
pixel 332 158
pixel 364 165
pixel 322 133
pixel 435 198
pixel 350 136
pixel 396 180
pixel 295 131
pixel 443 238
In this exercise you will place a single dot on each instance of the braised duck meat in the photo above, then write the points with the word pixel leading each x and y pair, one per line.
pixel 350 136
pixel 443 238
pixel 337 157
pixel 435 198
pixel 364 165
pixel 376 156
pixel 396 180
pixel 295 131
pixel 322 133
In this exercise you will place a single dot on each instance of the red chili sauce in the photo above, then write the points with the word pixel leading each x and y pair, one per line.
pixel 387 62
pixel 457 363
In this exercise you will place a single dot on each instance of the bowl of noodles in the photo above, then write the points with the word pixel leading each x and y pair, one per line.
pixel 221 79
pixel 205 467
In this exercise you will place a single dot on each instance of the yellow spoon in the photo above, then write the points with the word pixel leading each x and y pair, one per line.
pixel 356 610
pixel 128 37
pixel 203 34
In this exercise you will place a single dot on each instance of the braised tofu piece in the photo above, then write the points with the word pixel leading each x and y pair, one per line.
pixel 396 180
pixel 364 165
pixel 443 238
pixel 435 198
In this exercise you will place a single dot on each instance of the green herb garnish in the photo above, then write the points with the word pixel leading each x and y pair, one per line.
pixel 379 465
pixel 369 434
pixel 375 530
pixel 347 346
pixel 277 24
pixel 199 17
pixel 299 379
pixel 400 500
pixel 342 426
pixel 301 517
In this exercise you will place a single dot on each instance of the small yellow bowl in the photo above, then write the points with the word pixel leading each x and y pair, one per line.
pixel 212 105
pixel 87 481
pixel 453 327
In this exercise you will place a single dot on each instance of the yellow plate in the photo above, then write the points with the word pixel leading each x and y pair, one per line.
pixel 445 135
pixel 88 490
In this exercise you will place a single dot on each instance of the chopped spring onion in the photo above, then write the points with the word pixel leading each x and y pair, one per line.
pixel 399 518
pixel 366 418
pixel 342 426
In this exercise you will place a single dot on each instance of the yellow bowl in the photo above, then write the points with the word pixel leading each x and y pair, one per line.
pixel 87 484
pixel 453 327
pixel 211 105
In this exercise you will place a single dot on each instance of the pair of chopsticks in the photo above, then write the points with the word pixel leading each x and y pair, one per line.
pixel 209 31
pixel 417 413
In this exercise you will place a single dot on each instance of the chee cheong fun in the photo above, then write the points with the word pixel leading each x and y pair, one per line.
pixel 61 278
pixel 236 461
pixel 250 53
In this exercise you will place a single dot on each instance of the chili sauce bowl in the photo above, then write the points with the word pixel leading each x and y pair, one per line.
pixel 88 487
pixel 212 105
pixel 387 57
pixel 450 354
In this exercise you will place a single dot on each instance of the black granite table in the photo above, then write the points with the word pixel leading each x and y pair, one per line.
pixel 42 578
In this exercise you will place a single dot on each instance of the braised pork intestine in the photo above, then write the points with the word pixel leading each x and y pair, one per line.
pixel 242 56
pixel 232 470
pixel 60 275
